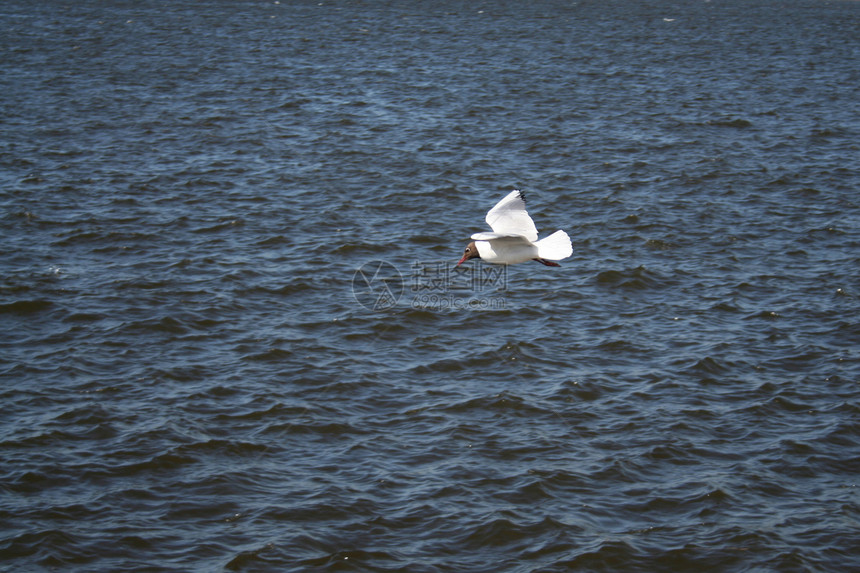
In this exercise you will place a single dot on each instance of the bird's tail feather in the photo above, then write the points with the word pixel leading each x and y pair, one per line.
pixel 555 247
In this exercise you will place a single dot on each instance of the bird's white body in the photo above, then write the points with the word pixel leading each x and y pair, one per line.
pixel 506 250
pixel 515 238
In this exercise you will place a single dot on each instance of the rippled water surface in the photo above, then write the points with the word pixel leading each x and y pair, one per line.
pixel 233 339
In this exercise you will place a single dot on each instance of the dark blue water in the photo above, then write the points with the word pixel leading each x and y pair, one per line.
pixel 206 365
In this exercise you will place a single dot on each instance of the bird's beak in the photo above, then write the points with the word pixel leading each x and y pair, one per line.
pixel 463 260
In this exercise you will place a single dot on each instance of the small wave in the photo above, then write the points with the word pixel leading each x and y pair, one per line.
pixel 52 547
pixel 510 353
pixel 706 366
pixel 503 532
pixel 502 402
pixel 25 307
pixel 220 447
pixel 166 462
pixel 348 557
pixel 275 412
pixel 270 355
pixel 31 482
pixel 635 279
pixel 85 317
pixel 104 241
pixel 360 248
pixel 733 122
pixel 273 241
pixel 659 244
pixel 225 224
pixel 166 324
pixel 583 390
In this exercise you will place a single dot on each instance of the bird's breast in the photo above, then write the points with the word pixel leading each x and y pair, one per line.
pixel 506 252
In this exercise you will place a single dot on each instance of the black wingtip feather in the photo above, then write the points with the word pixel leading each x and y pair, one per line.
pixel 522 195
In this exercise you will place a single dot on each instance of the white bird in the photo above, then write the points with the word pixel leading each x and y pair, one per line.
pixel 515 238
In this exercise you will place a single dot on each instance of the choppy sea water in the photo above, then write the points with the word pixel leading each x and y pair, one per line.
pixel 233 339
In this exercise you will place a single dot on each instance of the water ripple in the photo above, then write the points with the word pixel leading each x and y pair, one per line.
pixel 192 380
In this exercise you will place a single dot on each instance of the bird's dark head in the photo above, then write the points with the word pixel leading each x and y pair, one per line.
pixel 471 252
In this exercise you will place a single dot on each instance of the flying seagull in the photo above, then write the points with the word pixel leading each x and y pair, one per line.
pixel 515 238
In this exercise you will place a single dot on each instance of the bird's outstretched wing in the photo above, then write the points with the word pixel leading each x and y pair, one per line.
pixel 496 236
pixel 509 217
